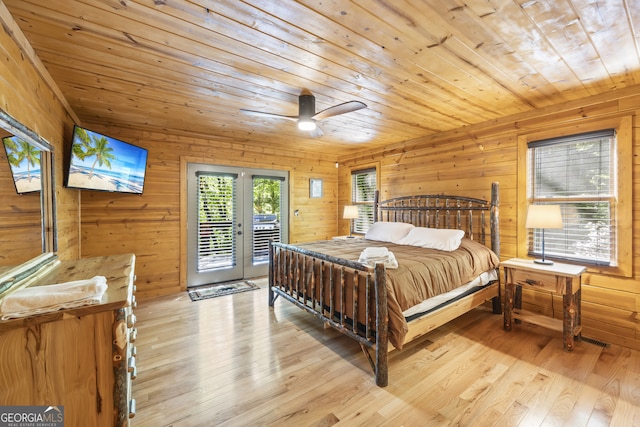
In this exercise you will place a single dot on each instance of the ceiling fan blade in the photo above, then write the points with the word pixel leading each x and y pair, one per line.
pixel 268 115
pixel 347 107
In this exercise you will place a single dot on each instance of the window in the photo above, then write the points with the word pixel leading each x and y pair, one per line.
pixel 578 173
pixel 363 188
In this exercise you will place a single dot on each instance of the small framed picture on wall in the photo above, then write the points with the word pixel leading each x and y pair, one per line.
pixel 315 188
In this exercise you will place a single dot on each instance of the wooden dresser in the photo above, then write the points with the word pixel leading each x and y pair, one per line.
pixel 82 359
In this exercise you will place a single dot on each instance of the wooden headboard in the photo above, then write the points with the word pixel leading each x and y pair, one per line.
pixel 440 211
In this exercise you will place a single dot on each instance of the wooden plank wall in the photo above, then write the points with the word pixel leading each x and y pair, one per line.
pixel 149 225
pixel 467 160
pixel 26 94
pixel 20 227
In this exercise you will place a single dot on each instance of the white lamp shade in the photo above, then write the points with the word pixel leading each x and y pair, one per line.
pixel 544 216
pixel 350 212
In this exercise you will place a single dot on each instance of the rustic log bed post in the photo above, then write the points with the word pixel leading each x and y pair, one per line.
pixel 321 284
pixel 494 219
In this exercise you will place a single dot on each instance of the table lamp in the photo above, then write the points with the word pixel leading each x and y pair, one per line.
pixel 350 213
pixel 544 216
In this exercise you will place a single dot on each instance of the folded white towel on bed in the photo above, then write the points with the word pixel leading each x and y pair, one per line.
pixel 373 252
pixel 373 255
pixel 44 299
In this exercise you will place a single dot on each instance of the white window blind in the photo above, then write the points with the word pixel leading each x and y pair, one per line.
pixel 216 213
pixel 578 173
pixel 363 188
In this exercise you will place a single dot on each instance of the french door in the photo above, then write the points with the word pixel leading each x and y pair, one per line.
pixel 232 214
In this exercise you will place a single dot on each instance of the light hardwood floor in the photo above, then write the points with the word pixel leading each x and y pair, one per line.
pixel 232 361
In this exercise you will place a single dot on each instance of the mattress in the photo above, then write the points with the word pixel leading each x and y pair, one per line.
pixel 422 274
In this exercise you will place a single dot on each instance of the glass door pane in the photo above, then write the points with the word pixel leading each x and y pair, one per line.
pixel 267 217
pixel 216 221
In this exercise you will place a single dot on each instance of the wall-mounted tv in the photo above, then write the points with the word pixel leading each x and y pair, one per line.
pixel 99 162
pixel 24 163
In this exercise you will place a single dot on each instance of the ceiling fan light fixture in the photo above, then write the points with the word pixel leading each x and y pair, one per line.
pixel 307 116
pixel 306 124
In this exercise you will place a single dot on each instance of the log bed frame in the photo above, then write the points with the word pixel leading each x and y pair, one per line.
pixel 295 272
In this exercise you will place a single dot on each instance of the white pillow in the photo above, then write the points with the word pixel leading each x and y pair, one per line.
pixel 388 231
pixel 443 239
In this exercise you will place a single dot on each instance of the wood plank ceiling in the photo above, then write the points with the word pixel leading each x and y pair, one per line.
pixel 189 66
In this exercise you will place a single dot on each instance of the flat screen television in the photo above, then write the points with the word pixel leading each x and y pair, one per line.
pixel 99 162
pixel 24 163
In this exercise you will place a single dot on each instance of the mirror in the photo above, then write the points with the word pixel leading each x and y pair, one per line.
pixel 27 221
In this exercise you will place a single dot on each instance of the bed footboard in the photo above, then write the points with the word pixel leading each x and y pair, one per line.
pixel 344 294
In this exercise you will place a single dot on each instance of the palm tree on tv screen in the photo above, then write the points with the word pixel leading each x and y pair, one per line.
pixel 93 146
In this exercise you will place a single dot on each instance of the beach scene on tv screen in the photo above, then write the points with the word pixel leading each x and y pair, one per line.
pixel 99 162
pixel 24 160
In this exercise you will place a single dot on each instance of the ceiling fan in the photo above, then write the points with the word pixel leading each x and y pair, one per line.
pixel 307 116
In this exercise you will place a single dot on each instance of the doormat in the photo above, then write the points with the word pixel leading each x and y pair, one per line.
pixel 219 289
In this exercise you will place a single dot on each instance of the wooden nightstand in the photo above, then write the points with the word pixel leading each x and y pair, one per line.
pixel 559 279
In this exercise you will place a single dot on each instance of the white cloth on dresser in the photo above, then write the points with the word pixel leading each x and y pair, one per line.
pixel 45 299
pixel 374 255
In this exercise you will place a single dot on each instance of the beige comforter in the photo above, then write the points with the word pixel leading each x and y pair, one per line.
pixel 421 273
